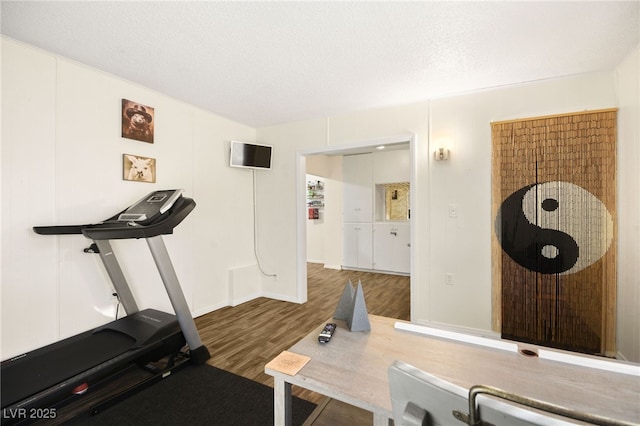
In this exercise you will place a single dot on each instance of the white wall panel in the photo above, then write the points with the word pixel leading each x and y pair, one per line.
pixel 278 205
pixel 628 320
pixel 89 188
pixel 29 277
pixel 223 217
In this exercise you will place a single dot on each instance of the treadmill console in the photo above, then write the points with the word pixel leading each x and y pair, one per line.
pixel 158 213
pixel 150 207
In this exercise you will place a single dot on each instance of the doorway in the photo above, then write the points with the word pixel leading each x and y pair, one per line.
pixel 404 141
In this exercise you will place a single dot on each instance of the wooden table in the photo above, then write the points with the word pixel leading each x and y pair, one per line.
pixel 353 366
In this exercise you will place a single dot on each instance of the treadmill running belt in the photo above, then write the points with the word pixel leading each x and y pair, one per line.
pixel 43 369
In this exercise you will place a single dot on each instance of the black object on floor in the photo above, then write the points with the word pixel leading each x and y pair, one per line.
pixel 202 395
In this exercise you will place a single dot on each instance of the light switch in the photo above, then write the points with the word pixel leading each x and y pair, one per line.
pixel 453 210
pixel 448 278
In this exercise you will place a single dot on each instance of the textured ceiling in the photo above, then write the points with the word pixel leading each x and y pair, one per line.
pixel 264 63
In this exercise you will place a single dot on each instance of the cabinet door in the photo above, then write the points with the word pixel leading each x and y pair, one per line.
pixel 350 245
pixel 357 245
pixel 383 247
pixel 391 247
pixel 365 246
pixel 357 188
pixel 403 248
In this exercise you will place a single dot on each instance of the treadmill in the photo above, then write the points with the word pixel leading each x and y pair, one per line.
pixel 38 380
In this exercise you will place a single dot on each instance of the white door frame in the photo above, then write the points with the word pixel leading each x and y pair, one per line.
pixel 301 196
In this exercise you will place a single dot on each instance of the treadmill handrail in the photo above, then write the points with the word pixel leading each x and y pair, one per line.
pixel 112 229
pixel 59 229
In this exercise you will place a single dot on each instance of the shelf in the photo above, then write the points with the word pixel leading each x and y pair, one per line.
pixel 315 199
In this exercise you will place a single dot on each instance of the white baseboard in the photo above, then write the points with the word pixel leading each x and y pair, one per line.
pixel 244 299
pixel 208 309
pixel 276 296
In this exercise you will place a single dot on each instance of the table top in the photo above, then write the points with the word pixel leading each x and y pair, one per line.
pixel 353 368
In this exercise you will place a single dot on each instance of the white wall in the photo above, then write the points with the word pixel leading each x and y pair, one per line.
pixel 62 164
pixel 28 278
pixel 328 234
pixel 282 213
pixel 333 213
pixel 628 89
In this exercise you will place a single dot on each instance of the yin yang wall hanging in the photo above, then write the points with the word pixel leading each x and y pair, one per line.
pixel 554 226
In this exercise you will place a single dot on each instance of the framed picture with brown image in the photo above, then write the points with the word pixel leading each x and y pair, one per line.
pixel 137 121
pixel 139 169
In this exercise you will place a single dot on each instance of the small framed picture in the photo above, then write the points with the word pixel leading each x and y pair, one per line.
pixel 139 169
pixel 137 121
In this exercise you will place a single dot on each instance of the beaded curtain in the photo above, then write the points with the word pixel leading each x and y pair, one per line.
pixel 554 251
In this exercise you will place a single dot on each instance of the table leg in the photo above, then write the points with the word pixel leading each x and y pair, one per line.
pixel 281 403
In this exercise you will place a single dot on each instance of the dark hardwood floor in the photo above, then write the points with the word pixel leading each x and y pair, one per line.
pixel 242 339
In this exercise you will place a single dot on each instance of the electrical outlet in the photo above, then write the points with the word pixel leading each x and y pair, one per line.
pixel 453 210
pixel 448 278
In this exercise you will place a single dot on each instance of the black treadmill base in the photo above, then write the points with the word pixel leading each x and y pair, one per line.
pixel 175 364
pixel 36 381
pixel 102 395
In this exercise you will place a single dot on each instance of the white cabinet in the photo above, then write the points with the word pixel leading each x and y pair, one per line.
pixel 357 250
pixel 381 246
pixel 357 173
pixel 392 247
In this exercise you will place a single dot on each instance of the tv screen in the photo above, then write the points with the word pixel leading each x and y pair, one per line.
pixel 248 155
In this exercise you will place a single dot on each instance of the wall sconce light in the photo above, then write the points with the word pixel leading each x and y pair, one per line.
pixel 441 154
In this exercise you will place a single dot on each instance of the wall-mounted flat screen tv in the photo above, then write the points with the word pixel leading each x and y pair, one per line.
pixel 250 155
